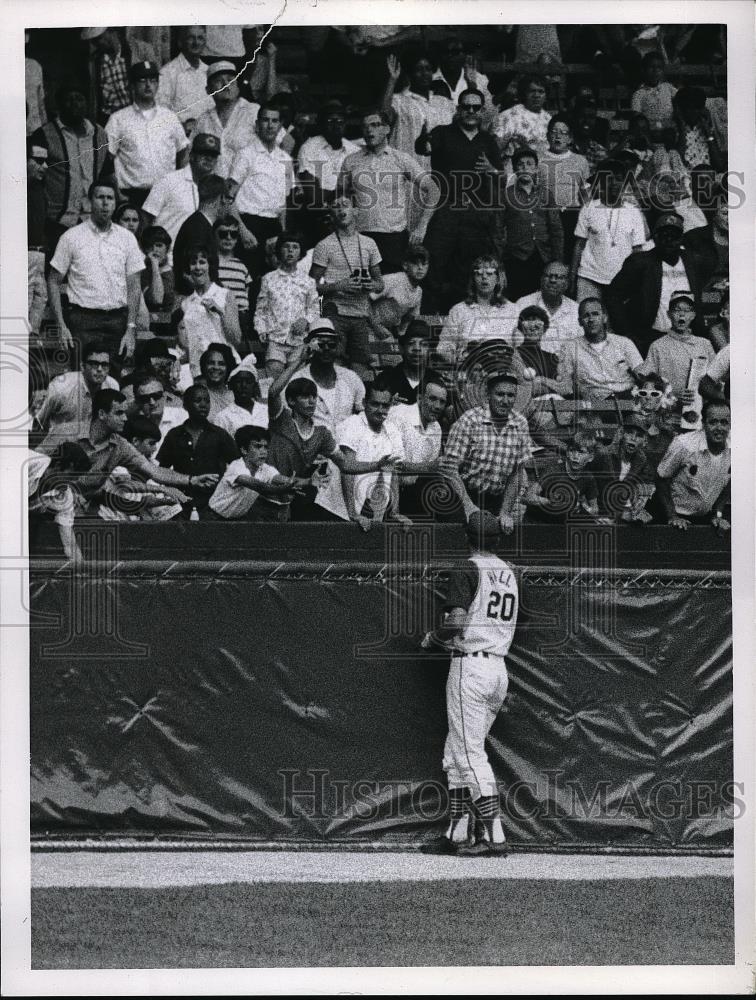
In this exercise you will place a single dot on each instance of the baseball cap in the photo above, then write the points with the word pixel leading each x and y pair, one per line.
pixel 144 71
pixel 322 327
pixel 483 524
pixel 501 376
pixel 670 220
pixel 682 296
pixel 635 420
pixel 222 66
pixel 204 142
pixel 87 34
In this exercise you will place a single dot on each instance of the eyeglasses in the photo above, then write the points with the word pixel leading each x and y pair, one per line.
pixel 649 393
pixel 471 107
pixel 42 160
pixel 153 397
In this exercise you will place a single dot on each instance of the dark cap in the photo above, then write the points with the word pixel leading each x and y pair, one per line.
pixel 204 142
pixel 635 420
pixel 144 71
pixel 483 525
pixel 670 220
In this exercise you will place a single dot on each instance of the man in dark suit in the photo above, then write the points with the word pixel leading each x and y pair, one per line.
pixel 639 295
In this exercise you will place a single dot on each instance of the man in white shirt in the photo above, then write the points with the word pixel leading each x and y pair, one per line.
pixel 372 496
pixel 599 364
pixel 145 140
pixel 562 310
pixel 102 263
pixel 261 177
pixel 183 80
pixel 340 391
pixel 229 117
pixel 175 196
pixel 417 108
pixel 419 426
pixel 245 408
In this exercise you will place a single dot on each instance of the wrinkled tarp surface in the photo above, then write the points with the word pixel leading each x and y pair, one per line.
pixel 292 703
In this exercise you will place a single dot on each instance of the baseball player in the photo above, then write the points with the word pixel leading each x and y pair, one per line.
pixel 479 621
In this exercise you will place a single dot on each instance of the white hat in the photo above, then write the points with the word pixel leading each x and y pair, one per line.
pixel 87 34
pixel 222 66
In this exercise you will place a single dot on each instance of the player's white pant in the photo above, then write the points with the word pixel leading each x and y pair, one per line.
pixel 475 692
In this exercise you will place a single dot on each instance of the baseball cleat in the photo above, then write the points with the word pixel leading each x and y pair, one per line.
pixel 482 849
pixel 441 845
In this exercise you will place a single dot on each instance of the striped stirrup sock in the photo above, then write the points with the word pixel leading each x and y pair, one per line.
pixel 460 804
pixel 486 810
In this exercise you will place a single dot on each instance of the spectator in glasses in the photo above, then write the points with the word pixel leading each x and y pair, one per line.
pixel 66 412
pixel 486 313
pixel 183 80
pixel 565 173
pixel 561 310
pixel 149 402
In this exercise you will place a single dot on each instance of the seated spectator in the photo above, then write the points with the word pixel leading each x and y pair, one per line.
pixel 716 382
pixel 216 364
pixel 673 355
pixel 638 297
pixel 565 487
pixel 608 230
pixel 183 80
pixel 661 413
pixel 654 96
pixel 400 300
pixel 404 379
pixel 232 273
pixel 197 449
pixel 600 364
pixel 153 357
pixel 139 162
pixel 561 310
pixel 77 155
pixel 52 486
pixel 346 269
pixel 229 117
pixel 340 391
pixel 114 57
pixel 487 448
pixel 367 437
pixel 392 214
pixel 565 173
pixel 157 281
pixel 540 366
pixel 298 445
pixel 625 462
pixel 694 476
pixel 107 449
pixel 419 426
pixel 251 489
pixel 102 264
pixel 532 226
pixel 526 124
pixel 697 143
pixel 210 313
pixel 149 403
pixel 176 195
pixel 286 305
pixel 246 407
pixel 486 313
pixel 416 108
pixel 197 229
pixel 36 218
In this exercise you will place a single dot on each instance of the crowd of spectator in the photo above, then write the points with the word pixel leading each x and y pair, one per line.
pixel 442 290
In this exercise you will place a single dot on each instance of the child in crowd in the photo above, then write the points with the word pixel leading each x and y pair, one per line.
pixel 565 173
pixel 398 304
pixel 157 281
pixel 672 355
pixel 129 497
pixel 232 273
pixel 252 490
pixel 654 96
pixel 565 487
pixel 286 305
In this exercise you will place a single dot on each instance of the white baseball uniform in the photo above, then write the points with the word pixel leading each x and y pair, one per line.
pixel 477 684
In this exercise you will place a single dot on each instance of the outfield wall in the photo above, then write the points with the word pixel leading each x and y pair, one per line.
pixel 290 702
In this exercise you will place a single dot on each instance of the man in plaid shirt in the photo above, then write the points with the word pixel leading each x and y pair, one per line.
pixel 488 446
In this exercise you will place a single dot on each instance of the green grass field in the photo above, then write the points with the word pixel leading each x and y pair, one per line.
pixel 687 921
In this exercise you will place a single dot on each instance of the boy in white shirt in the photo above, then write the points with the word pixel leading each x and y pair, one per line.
pixel 397 304
pixel 252 490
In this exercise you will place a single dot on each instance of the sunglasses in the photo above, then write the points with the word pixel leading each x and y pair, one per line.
pixel 153 397
pixel 224 234
pixel 650 393
pixel 471 107
pixel 41 160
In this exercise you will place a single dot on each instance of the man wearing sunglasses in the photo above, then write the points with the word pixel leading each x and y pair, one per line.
pixel 149 401
pixel 66 413
pixel 467 165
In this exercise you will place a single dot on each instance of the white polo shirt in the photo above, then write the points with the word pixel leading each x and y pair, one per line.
pixel 266 178
pixel 234 416
pixel 173 199
pixel 318 158
pixel 97 264
pixel 235 135
pixel 232 500
pixel 421 444
pixel 183 88
pixel 144 144
pixel 335 405
pixel 697 476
